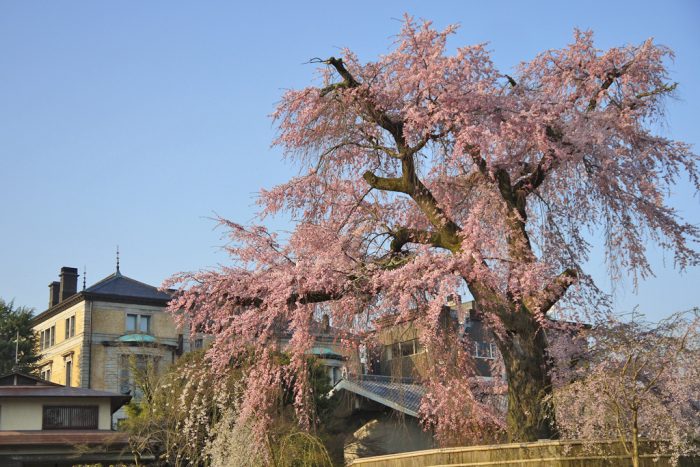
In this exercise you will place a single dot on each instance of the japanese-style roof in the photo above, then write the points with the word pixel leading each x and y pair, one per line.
pixel 56 390
pixel 119 285
pixel 398 395
pixel 22 379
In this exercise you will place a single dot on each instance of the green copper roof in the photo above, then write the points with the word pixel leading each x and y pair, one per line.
pixel 325 351
pixel 137 338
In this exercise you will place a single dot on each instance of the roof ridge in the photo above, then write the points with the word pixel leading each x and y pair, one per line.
pixel 139 282
pixel 106 279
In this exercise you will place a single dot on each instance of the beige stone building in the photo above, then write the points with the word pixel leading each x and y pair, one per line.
pixel 96 337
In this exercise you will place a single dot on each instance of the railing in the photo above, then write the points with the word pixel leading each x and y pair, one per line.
pixel 381 378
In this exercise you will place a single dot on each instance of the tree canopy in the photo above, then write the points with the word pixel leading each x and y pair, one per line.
pixel 635 381
pixel 13 320
pixel 423 172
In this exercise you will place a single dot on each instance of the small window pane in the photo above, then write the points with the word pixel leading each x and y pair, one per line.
pixel 144 323
pixel 387 352
pixel 69 372
pixel 131 322
pixel 419 346
pixel 407 348
pixel 396 350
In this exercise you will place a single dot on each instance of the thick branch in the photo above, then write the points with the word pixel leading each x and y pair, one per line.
pixel 386 184
pixel 546 298
pixel 294 298
pixel 610 78
pixel 409 183
pixel 404 235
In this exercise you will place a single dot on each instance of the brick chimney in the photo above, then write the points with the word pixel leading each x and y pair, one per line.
pixel 69 282
pixel 54 293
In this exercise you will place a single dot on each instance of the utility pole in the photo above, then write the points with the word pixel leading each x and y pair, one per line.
pixel 15 368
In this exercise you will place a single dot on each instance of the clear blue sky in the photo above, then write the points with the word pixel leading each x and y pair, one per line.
pixel 132 122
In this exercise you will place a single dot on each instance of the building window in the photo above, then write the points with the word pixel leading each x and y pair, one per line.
pixel 69 372
pixel 70 327
pixel 485 350
pixel 134 370
pixel 198 343
pixel 46 373
pixel 138 323
pixel 47 337
pixel 70 417
pixel 145 324
pixel 125 375
pixel 403 349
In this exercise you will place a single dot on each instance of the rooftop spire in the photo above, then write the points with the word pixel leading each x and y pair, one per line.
pixel 118 272
pixel 84 276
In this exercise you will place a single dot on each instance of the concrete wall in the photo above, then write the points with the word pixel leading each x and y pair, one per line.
pixel 549 453
pixel 18 413
pixel 384 435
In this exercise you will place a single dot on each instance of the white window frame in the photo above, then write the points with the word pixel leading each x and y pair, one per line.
pixel 489 354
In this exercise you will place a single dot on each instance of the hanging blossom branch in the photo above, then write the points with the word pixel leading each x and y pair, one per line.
pixel 423 167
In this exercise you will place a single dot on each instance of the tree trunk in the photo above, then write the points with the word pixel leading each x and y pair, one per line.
pixel 635 437
pixel 524 350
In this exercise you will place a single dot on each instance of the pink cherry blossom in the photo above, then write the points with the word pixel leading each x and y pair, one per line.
pixel 422 173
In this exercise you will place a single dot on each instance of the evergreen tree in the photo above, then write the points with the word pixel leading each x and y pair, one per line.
pixel 12 321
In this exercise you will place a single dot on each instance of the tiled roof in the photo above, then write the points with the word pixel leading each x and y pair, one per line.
pixel 118 285
pixel 22 379
pixel 399 395
pixel 115 288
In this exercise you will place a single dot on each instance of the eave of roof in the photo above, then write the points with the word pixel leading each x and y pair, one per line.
pixel 101 291
pixel 16 375
pixel 17 392
pixel 62 437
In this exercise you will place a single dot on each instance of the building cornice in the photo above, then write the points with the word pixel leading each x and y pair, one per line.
pixel 85 296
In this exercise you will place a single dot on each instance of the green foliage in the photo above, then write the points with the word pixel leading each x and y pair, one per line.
pixel 173 418
pixel 188 416
pixel 301 449
pixel 12 320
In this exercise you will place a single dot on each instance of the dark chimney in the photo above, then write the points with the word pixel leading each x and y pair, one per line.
pixel 54 293
pixel 69 282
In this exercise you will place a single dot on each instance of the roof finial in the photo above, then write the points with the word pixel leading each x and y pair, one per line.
pixel 84 276
pixel 118 260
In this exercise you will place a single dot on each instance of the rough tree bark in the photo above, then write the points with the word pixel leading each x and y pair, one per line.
pixel 530 408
